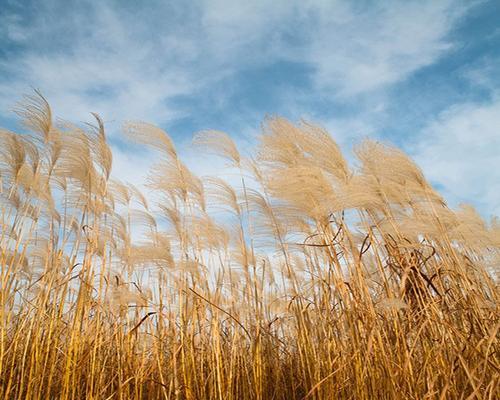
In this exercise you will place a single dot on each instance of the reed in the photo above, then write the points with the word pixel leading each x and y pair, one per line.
pixel 309 279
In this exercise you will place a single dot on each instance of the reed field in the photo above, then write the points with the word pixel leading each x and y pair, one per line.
pixel 298 277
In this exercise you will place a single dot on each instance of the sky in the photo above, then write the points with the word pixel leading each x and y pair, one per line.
pixel 420 75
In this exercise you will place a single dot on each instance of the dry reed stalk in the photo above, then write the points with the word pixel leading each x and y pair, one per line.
pixel 316 280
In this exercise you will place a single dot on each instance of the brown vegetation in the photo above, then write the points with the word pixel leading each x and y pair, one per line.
pixel 315 281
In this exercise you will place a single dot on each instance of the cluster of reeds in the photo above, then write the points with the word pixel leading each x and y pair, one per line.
pixel 305 279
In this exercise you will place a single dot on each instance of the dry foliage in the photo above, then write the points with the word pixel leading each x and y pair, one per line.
pixel 311 279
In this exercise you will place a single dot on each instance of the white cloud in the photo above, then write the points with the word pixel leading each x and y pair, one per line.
pixel 460 151
pixel 483 73
pixel 126 63
pixel 110 72
pixel 131 167
pixel 374 47
pixel 352 48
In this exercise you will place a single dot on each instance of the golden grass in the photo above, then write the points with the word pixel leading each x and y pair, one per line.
pixel 307 279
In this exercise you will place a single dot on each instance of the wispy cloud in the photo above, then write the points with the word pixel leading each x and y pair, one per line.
pixel 129 63
pixel 459 152
pixel 335 62
pixel 364 49
pixel 101 65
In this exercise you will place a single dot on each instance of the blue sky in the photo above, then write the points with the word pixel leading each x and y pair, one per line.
pixel 423 75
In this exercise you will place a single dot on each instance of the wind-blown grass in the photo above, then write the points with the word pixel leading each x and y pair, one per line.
pixel 317 280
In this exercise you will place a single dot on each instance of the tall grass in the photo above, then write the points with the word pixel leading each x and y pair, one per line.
pixel 305 279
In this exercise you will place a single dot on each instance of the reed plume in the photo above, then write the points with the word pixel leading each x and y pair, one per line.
pixel 310 279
